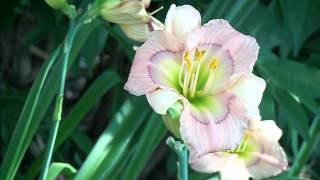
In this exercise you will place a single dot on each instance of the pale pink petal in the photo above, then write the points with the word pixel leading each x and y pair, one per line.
pixel 162 99
pixel 219 133
pixel 230 166
pixel 269 130
pixel 270 161
pixel 222 73
pixel 161 48
pixel 138 32
pixel 249 88
pixel 181 20
pixel 219 37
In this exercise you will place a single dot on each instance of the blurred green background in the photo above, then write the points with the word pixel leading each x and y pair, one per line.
pixel 106 133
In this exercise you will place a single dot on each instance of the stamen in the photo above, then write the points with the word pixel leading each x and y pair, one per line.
pixel 155 11
pixel 198 57
pixel 243 144
pixel 180 74
pixel 213 66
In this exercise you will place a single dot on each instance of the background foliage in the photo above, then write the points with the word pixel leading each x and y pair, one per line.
pixel 108 134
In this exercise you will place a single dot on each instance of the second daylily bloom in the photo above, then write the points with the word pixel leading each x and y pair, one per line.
pixel 205 69
pixel 132 17
pixel 259 155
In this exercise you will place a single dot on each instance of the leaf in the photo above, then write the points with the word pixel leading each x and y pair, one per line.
pixel 82 141
pixel 301 18
pixel 293 76
pixel 98 88
pixel 96 42
pixel 13 154
pixel 267 105
pixel 296 116
pixel 58 168
pixel 111 145
pixel 149 140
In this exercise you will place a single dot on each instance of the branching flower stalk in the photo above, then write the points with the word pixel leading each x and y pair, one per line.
pixel 182 152
pixel 59 100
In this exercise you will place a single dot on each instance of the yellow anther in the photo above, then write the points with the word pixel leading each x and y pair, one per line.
pixel 188 60
pixel 199 54
pixel 214 64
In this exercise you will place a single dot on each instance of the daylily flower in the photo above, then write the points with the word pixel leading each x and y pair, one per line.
pixel 259 155
pixel 208 70
pixel 132 17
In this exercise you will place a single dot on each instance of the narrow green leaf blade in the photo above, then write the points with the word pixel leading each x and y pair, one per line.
pixel 58 168
pixel 150 138
pixel 295 114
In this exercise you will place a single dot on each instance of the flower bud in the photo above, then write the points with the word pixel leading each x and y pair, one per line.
pixel 141 32
pixel 124 11
pixel 132 17
pixel 172 119
pixel 62 5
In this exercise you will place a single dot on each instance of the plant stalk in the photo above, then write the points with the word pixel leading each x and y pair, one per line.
pixel 182 152
pixel 59 99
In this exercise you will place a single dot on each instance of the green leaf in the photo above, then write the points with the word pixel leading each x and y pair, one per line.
pixel 302 19
pixel 112 144
pixel 82 141
pixel 293 76
pixel 98 88
pixel 14 155
pixel 149 140
pixel 96 42
pixel 58 168
pixel 293 111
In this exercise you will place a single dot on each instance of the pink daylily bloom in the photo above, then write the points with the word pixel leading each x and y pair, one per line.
pixel 259 155
pixel 208 69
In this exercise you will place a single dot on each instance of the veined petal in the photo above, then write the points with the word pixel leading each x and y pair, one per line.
pixel 181 20
pixel 269 161
pixel 126 12
pixel 223 39
pixel 155 63
pixel 162 99
pixel 138 32
pixel 231 167
pixel 249 88
pixel 219 134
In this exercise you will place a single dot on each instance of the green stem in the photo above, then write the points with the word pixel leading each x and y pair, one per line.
pixel 59 99
pixel 182 152
pixel 307 148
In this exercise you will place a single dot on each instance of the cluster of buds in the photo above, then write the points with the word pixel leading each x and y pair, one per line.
pixel 131 15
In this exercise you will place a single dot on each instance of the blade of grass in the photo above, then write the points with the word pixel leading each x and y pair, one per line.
pixel 13 154
pixel 149 140
pixel 99 87
pixel 125 122
pixel 235 9
pixel 11 159
pixel 306 148
pixel 58 168
pixel 127 48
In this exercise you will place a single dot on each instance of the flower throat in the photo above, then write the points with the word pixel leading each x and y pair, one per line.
pixel 189 74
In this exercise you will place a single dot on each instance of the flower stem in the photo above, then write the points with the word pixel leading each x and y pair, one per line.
pixel 306 148
pixel 182 152
pixel 59 99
